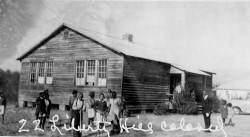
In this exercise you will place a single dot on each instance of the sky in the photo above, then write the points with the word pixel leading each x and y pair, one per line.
pixel 213 36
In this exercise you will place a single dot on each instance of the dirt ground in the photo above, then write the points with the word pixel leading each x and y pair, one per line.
pixel 12 125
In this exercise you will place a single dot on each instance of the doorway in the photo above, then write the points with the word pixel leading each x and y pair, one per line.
pixel 174 80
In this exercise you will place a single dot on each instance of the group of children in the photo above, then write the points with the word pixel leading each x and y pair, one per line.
pixel 227 113
pixel 101 110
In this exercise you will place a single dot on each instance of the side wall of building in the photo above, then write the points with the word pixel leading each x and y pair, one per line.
pixel 145 83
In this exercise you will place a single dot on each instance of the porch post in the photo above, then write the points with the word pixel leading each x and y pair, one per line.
pixel 183 80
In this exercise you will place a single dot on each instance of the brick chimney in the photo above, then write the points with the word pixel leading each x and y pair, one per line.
pixel 128 37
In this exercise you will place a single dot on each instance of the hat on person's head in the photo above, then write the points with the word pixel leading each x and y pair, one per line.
pixel 74 92
pixel 92 94
pixel 41 94
pixel 46 91
pixel 109 90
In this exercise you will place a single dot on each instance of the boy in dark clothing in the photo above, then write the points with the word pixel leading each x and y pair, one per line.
pixel 41 110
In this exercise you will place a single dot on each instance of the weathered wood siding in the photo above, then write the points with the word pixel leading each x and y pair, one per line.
pixel 64 53
pixel 144 82
pixel 200 82
pixel 209 82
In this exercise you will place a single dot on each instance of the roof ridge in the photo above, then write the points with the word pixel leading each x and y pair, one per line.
pixel 74 26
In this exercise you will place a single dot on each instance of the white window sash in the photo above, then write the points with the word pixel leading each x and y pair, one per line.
pixel 49 80
pixel 41 80
pixel 102 81
pixel 80 81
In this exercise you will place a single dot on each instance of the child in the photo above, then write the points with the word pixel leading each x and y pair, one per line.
pixel 223 111
pixel 101 111
pixel 2 105
pixel 230 114
pixel 77 108
pixel 170 105
pixel 90 108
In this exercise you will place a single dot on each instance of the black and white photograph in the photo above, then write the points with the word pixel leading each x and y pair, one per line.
pixel 91 68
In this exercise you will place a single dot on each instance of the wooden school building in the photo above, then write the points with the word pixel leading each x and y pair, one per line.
pixel 75 58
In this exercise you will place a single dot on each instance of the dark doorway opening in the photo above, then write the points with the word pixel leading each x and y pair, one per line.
pixel 174 80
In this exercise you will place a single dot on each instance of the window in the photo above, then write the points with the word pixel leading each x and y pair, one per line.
pixel 49 68
pixel 80 80
pixel 91 72
pixel 41 74
pixel 33 72
pixel 102 73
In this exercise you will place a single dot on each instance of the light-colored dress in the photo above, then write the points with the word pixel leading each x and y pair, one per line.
pixel 230 112
pixel 2 105
pixel 90 108
pixel 114 107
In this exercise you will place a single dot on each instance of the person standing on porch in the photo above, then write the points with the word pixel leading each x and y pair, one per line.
pixel 177 93
pixel 2 105
pixel 207 110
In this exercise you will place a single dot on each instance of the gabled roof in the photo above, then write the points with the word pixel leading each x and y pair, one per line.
pixel 115 44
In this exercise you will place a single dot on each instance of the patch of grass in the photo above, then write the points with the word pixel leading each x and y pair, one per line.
pixel 240 129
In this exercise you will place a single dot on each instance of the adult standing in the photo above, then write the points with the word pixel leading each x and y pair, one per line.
pixel 177 93
pixel 71 101
pixel 206 110
pixel 77 108
pixel 2 105
pixel 114 104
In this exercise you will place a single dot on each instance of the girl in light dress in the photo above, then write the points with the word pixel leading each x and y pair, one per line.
pixel 114 104
pixel 230 114
pixel 90 105
pixel 223 111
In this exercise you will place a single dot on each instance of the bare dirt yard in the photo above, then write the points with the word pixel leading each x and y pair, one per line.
pixel 12 125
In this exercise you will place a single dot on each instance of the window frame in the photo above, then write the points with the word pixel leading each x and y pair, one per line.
pixel 96 72
pixel 38 71
pixel 35 72
pixel 84 73
pixel 44 72
pixel 106 72
pixel 51 72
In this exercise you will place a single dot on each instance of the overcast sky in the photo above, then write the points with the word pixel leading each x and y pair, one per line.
pixel 213 36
